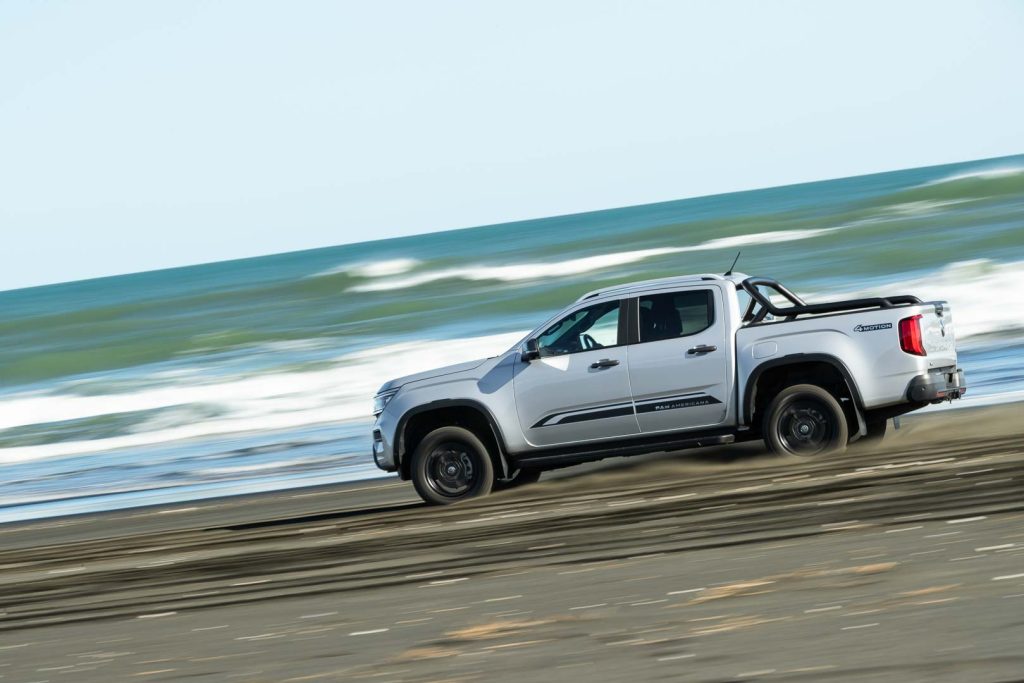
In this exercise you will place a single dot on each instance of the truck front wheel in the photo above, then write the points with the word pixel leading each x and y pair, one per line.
pixel 450 465
pixel 805 420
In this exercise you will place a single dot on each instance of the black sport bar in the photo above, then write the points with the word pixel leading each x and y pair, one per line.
pixel 799 307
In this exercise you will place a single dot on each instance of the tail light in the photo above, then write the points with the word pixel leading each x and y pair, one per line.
pixel 910 336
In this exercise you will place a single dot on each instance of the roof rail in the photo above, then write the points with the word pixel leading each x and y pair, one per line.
pixel 627 286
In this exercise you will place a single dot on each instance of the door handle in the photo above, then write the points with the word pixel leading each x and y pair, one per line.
pixel 604 363
pixel 702 348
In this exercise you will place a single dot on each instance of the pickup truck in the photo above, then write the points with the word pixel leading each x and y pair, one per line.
pixel 662 365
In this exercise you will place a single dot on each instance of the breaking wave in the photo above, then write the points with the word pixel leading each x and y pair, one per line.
pixel 578 266
pixel 395 266
pixel 993 173
pixel 240 404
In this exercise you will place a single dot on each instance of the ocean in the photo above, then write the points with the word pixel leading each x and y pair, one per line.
pixel 258 374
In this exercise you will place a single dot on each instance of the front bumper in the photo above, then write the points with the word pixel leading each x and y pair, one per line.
pixel 383 453
pixel 937 386
pixel 385 428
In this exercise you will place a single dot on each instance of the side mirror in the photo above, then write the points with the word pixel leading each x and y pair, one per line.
pixel 532 350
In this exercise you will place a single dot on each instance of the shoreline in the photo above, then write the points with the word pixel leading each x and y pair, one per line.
pixel 181 495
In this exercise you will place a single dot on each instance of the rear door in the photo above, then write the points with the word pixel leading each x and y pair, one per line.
pixel 578 390
pixel 679 366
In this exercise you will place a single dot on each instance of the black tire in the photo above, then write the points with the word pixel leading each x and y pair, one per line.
pixel 520 478
pixel 805 420
pixel 451 465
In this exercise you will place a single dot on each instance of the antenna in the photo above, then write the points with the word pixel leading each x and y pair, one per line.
pixel 729 272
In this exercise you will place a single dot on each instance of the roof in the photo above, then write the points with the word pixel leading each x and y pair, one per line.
pixel 630 287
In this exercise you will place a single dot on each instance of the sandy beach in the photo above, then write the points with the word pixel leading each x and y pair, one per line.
pixel 904 562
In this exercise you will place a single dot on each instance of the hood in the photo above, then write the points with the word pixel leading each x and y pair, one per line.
pixel 430 374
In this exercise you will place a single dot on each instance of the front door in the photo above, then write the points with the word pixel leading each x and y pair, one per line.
pixel 679 367
pixel 578 390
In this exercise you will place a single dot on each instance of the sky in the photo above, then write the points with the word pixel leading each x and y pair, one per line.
pixel 142 135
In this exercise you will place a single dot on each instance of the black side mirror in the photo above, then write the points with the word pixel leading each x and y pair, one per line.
pixel 532 350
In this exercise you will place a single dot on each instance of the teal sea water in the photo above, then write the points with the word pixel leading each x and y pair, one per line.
pixel 257 374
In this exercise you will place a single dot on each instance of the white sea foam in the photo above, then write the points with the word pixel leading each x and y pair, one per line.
pixel 923 207
pixel 760 238
pixel 386 268
pixel 516 272
pixel 253 403
pixel 991 173
pixel 579 266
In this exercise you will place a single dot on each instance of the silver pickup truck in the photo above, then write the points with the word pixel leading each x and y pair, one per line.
pixel 662 365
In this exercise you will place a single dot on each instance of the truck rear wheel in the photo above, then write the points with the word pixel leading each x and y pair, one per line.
pixel 451 465
pixel 805 420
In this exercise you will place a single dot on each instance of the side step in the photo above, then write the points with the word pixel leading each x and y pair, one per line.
pixel 576 455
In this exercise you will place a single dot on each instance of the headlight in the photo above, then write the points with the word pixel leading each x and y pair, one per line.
pixel 381 400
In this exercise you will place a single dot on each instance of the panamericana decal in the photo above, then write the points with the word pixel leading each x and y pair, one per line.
pixel 623 409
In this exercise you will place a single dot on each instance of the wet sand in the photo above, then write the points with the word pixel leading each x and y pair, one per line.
pixel 904 563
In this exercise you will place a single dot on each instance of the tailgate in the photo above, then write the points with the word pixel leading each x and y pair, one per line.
pixel 937 333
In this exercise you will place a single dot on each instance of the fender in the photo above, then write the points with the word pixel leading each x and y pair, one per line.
pixel 798 359
pixel 499 438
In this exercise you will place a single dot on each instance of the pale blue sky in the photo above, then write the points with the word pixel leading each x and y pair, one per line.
pixel 139 135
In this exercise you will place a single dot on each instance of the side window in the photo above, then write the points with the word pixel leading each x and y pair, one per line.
pixel 594 327
pixel 678 314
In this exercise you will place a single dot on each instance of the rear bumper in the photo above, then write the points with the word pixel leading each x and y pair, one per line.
pixel 935 387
